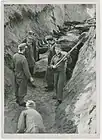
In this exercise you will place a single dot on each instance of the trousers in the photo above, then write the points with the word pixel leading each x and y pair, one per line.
pixel 50 77
pixel 59 80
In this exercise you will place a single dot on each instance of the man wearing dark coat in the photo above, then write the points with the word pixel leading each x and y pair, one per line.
pixel 21 73
pixel 49 72
pixel 31 51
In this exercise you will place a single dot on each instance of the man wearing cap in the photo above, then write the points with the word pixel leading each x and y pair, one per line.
pixel 30 121
pixel 49 72
pixel 59 73
pixel 22 74
pixel 30 52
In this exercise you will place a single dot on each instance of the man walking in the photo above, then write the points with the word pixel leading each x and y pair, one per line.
pixel 21 73
pixel 30 52
pixel 30 121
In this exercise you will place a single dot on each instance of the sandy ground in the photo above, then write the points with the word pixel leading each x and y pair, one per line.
pixel 45 105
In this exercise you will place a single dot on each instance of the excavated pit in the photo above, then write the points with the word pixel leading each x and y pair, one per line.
pixel 45 20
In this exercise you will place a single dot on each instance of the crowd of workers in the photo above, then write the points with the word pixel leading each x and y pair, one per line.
pixel 23 66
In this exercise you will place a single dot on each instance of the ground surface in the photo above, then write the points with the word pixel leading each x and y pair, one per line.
pixel 45 105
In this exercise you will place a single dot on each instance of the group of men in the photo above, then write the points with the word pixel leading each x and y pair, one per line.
pixel 23 67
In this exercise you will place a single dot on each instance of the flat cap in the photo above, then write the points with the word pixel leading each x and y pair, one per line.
pixel 30 103
pixel 21 46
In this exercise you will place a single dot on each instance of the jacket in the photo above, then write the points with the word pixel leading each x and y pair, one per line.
pixel 30 121
pixel 51 54
pixel 20 66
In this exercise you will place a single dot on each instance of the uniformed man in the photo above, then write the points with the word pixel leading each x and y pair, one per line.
pixel 30 121
pixel 22 74
pixel 49 72
pixel 31 49
pixel 59 74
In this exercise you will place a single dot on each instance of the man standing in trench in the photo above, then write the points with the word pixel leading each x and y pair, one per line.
pixel 49 72
pixel 59 73
pixel 30 52
pixel 21 73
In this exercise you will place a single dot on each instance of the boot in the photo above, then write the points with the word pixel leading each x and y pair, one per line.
pixel 58 102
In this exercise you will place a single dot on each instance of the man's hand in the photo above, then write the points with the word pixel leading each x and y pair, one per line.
pixel 68 55
pixel 54 67
pixel 31 79
pixel 65 59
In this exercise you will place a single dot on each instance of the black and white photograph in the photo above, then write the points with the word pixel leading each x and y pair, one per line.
pixel 50 83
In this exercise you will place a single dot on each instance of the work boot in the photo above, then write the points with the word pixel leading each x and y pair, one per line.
pixel 58 102
pixel 46 87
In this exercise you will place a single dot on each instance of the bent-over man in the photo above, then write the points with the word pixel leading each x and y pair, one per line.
pixel 30 121
pixel 21 73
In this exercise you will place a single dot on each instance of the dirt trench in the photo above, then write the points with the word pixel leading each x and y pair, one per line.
pixel 45 106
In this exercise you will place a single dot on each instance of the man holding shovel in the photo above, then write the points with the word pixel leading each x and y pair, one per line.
pixel 59 73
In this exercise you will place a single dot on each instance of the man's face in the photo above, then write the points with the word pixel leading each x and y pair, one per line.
pixel 58 51
pixel 29 41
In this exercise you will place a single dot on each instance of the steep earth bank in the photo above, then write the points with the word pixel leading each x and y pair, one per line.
pixel 77 113
pixel 42 19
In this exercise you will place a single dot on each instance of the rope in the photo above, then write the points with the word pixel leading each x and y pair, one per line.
pixel 69 52
pixel 90 37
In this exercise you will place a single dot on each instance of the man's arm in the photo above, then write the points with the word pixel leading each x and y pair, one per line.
pixel 13 64
pixel 21 123
pixel 26 68
pixel 31 53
